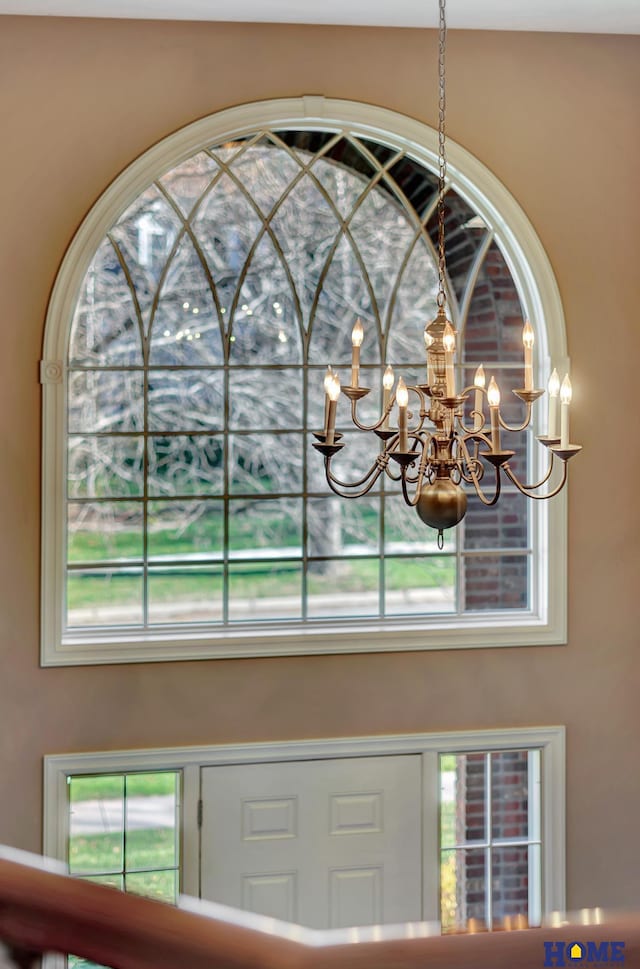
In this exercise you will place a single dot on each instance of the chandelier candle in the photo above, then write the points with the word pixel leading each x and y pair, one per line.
pixel 357 336
pixel 493 396
pixel 402 399
pixel 478 382
pixel 528 338
pixel 565 398
pixel 328 378
pixel 450 449
pixel 334 393
pixel 552 418
pixel 387 384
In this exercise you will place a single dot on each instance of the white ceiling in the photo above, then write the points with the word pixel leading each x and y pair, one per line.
pixel 590 16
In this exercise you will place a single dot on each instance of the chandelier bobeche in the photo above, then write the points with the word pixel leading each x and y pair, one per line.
pixel 445 442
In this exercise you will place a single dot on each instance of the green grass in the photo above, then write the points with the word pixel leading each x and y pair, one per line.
pixel 108 854
pixel 89 787
pixel 259 580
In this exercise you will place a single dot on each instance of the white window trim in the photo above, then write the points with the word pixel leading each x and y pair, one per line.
pixel 190 760
pixel 545 623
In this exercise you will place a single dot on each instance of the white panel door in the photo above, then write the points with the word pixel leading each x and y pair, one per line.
pixel 326 843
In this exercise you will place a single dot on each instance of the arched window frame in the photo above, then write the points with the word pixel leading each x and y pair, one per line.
pixel 543 624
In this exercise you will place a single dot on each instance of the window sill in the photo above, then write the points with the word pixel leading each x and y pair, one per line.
pixel 480 630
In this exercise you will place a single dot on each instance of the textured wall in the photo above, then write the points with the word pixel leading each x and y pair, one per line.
pixel 555 117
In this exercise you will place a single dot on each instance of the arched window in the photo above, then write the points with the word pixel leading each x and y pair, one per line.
pixel 185 511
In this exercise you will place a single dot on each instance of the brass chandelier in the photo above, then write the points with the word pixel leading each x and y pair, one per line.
pixel 444 448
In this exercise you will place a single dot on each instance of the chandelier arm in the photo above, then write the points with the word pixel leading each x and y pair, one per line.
pixel 528 489
pixel 424 461
pixel 376 469
pixel 412 502
pixel 480 493
pixel 369 427
pixel 473 476
pixel 335 484
pixel 522 427
pixel 469 431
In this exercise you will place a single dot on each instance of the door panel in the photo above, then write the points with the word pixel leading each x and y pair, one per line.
pixel 325 843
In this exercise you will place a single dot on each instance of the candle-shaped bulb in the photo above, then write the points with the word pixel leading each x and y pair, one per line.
pixel 527 339
pixel 334 388
pixel 402 398
pixel 493 393
pixel 479 381
pixel 554 384
pixel 449 338
pixel 565 398
pixel 357 335
pixel 387 384
pixel 328 378
pixel 528 336
pixel 402 394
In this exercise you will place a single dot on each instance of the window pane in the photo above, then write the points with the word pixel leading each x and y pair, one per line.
pixel 105 467
pixel 186 400
pixel 105 401
pixel 462 889
pixel 105 328
pixel 496 582
pixel 495 320
pixel 185 465
pixel 510 794
pixel 419 585
pixel 104 531
pixel 185 529
pixel 509 883
pixel 463 815
pixel 343 587
pixel 266 171
pixel 265 399
pixel 102 598
pixel 150 821
pixel 186 330
pixel 382 233
pixel 96 823
pixel 414 305
pixel 186 182
pixel 336 526
pixel 265 529
pixel 265 590
pixel 405 532
pixel 266 324
pixel 305 226
pixel 505 525
pixel 267 463
pixel 161 885
pixel 184 594
pixel 226 226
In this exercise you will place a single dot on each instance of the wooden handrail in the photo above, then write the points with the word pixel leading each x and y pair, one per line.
pixel 42 910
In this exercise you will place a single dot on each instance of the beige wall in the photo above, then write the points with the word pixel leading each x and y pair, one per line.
pixel 555 117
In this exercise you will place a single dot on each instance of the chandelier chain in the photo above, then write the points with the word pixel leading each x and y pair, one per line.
pixel 442 157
